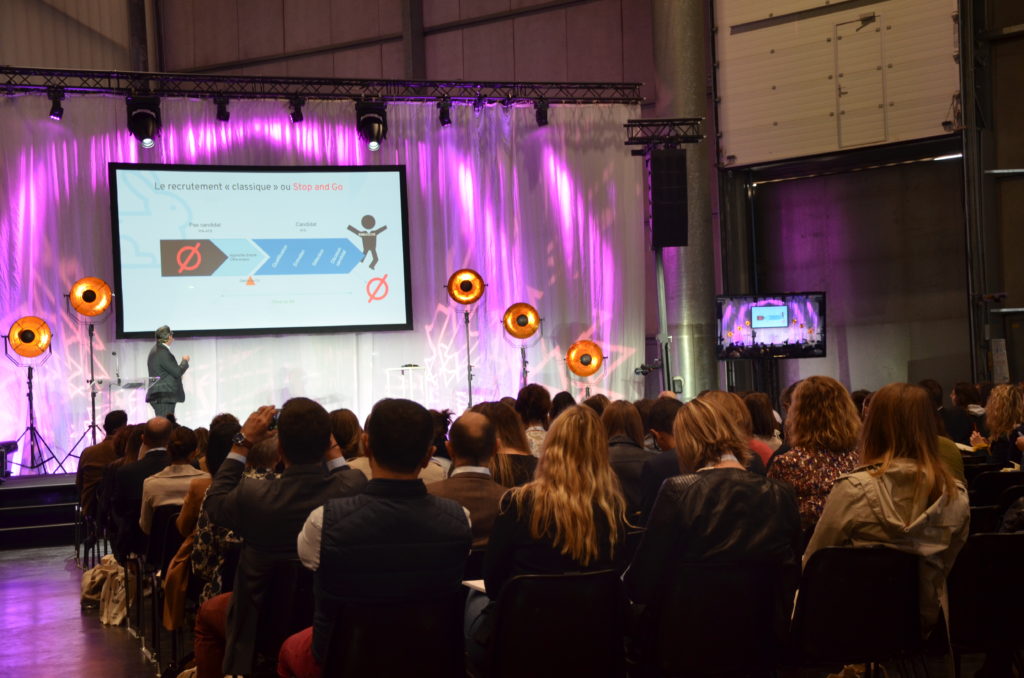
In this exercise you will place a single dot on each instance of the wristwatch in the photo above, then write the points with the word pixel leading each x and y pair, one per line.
pixel 240 441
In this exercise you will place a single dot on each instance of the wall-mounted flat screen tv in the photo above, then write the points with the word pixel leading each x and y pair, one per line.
pixel 771 326
pixel 229 250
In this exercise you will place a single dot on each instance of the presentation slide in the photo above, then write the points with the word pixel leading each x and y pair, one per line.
pixel 216 250
pixel 768 316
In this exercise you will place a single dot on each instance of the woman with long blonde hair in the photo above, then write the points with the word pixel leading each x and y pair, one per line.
pixel 902 496
pixel 821 430
pixel 569 518
pixel 1004 411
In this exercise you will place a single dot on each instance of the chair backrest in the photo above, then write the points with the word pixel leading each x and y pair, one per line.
pixel 1009 495
pixel 987 487
pixel 723 618
pixel 972 471
pixel 984 519
pixel 422 638
pixel 985 596
pixel 286 605
pixel 475 564
pixel 559 625
pixel 856 605
pixel 164 538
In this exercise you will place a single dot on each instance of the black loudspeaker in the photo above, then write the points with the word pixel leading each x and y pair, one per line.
pixel 668 198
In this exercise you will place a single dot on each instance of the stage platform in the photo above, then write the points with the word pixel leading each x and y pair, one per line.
pixel 37 511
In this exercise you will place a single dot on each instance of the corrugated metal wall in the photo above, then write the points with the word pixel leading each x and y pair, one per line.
pixel 91 34
pixel 804 77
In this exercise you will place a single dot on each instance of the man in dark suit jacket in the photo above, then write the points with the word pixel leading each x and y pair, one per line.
pixel 267 515
pixel 95 458
pixel 126 501
pixel 471 443
pixel 167 391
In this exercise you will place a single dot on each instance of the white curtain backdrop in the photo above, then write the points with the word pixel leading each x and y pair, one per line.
pixel 552 216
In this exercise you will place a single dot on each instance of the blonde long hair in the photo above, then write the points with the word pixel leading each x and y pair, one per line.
pixel 901 424
pixel 1003 410
pixel 572 477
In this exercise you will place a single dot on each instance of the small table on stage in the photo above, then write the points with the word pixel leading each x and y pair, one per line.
pixel 408 381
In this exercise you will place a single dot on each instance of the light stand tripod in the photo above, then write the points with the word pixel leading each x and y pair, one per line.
pixel 469 361
pixel 36 442
pixel 92 427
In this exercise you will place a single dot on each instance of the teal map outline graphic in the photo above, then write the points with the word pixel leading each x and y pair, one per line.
pixel 199 257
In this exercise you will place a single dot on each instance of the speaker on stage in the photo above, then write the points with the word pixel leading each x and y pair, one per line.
pixel 668 198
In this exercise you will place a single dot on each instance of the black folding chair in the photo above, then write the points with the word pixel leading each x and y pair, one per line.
pixel 857 606
pixel 751 600
pixel 363 642
pixel 552 626
pixel 986 599
pixel 986 487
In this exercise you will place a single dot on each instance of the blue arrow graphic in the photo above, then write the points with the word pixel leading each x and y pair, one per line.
pixel 305 256
pixel 242 257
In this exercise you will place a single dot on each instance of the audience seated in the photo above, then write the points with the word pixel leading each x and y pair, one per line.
pixel 597 403
pixel 967 399
pixel 569 518
pixel 716 511
pixel 471 444
pixel 127 442
pixel 949 453
pixel 513 465
pixel 267 515
pixel 126 503
pixel 1004 411
pixel 211 543
pixel 532 406
pixel 762 420
pixel 956 423
pixel 434 471
pixel 171 484
pixel 738 412
pixel 626 452
pixel 643 406
pixel 821 429
pixel 347 433
pixel 664 464
pixel 902 497
pixel 442 422
pixel 392 542
pixel 95 458
pixel 559 403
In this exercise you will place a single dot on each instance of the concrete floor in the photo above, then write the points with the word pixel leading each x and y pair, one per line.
pixel 43 631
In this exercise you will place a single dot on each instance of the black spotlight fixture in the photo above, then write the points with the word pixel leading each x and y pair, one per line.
pixel 372 122
pixel 56 95
pixel 223 114
pixel 444 112
pixel 296 104
pixel 541 109
pixel 144 119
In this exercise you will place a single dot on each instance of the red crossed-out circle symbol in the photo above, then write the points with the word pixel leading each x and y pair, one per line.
pixel 377 288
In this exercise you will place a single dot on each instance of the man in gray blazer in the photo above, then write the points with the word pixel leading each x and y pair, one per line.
pixel 167 390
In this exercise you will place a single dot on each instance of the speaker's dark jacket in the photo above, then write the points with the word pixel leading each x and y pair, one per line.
pixel 168 388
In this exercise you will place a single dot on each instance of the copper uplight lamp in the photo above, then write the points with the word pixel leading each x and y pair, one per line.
pixel 584 358
pixel 87 303
pixel 465 287
pixel 30 341
pixel 521 321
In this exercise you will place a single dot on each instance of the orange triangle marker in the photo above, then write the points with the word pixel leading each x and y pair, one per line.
pixel 250 281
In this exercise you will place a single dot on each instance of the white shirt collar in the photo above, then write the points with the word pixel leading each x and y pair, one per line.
pixel 470 469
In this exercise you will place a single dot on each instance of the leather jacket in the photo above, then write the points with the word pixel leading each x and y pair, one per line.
pixel 725 515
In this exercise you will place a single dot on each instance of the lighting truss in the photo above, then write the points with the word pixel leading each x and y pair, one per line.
pixel 664 133
pixel 126 83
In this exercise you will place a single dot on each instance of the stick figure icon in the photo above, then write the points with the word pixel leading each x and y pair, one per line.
pixel 369 238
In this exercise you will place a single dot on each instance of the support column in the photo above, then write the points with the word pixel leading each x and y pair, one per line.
pixel 680 63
